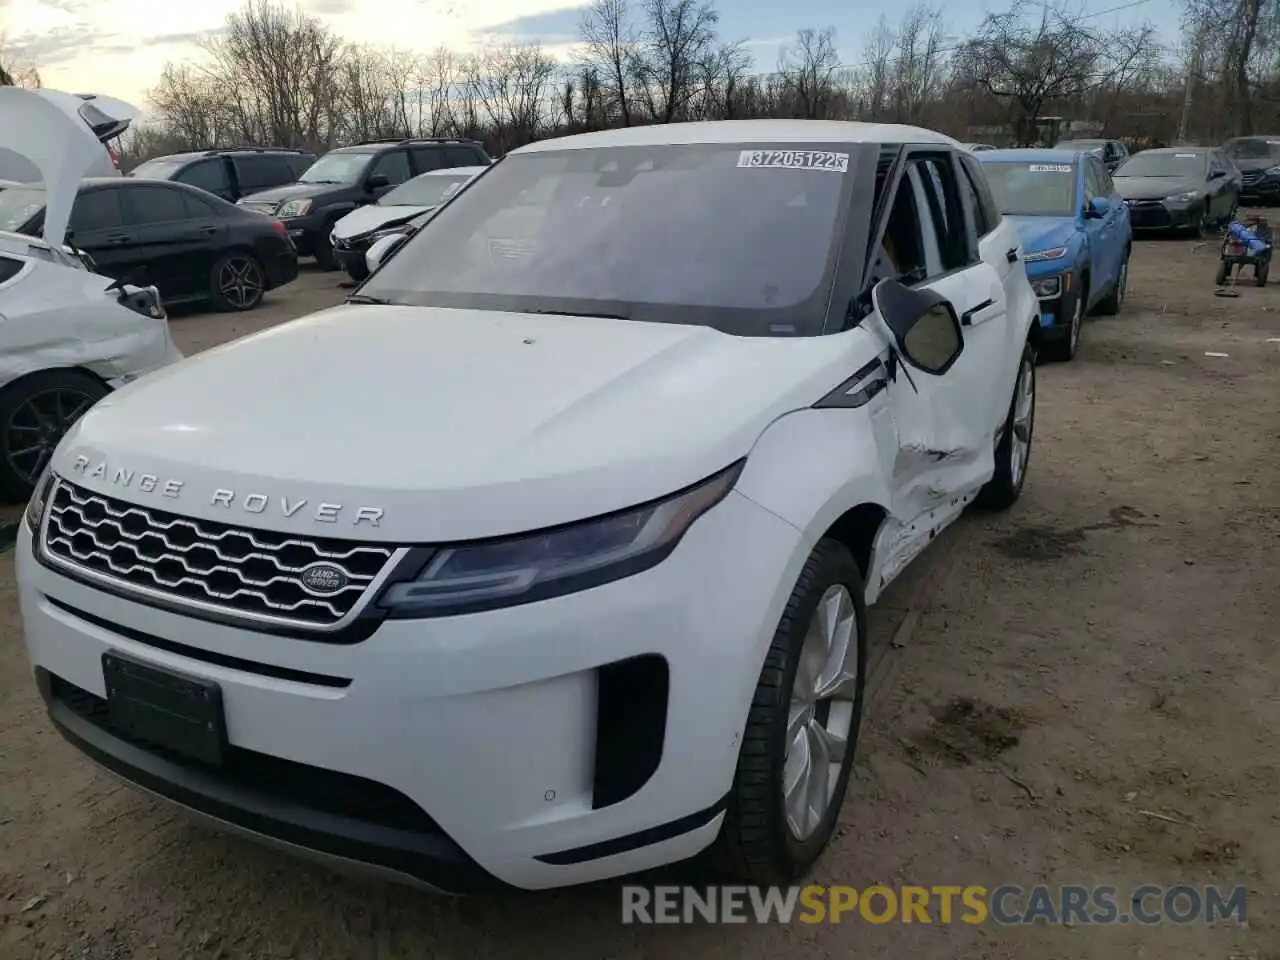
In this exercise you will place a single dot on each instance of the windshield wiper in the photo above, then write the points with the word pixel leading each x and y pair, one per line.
pixel 572 313
pixel 365 298
pixel 320 181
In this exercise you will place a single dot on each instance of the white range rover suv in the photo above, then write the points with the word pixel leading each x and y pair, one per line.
pixel 546 558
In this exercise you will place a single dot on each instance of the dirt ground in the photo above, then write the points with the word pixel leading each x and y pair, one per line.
pixel 1084 690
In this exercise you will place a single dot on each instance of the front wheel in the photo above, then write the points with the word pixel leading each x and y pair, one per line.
pixel 325 258
pixel 802 729
pixel 1013 452
pixel 1064 348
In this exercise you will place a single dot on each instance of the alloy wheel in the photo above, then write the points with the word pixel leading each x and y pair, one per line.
pixel 240 282
pixel 36 427
pixel 1024 411
pixel 820 715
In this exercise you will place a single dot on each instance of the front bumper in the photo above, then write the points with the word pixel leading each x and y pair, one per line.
pixel 350 254
pixel 1158 215
pixel 1056 310
pixel 553 743
pixel 1259 188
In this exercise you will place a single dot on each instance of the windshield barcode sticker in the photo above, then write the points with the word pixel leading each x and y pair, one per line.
pixel 1050 168
pixel 795 160
pixel 1187 156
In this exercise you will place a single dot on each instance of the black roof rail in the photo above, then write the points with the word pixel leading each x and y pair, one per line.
pixel 212 151
pixel 417 140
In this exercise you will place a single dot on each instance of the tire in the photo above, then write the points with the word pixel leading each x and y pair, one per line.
pixel 1260 273
pixel 1113 302
pixel 324 250
pixel 758 842
pixel 1224 269
pixel 1064 350
pixel 35 413
pixel 1005 486
pixel 1201 225
pixel 237 282
pixel 359 271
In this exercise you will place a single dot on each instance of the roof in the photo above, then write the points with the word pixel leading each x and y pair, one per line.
pixel 1186 149
pixel 743 131
pixel 1029 155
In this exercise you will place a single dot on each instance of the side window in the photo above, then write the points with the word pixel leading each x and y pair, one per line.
pixel 10 268
pixel 460 157
pixel 208 175
pixel 1093 181
pixel 198 209
pixel 97 210
pixel 940 200
pixel 394 165
pixel 990 218
pixel 428 158
pixel 260 173
pixel 973 204
pixel 909 249
pixel 155 205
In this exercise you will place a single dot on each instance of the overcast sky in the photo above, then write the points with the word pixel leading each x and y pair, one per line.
pixel 118 47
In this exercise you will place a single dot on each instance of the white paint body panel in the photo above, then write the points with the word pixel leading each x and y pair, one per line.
pixel 460 425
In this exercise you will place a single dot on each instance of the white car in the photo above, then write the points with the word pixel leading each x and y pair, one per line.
pixel 547 557
pixel 68 335
pixel 398 212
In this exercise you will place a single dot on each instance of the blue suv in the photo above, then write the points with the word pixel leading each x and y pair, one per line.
pixel 1076 235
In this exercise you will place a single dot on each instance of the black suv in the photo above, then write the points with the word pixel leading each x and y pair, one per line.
pixel 351 177
pixel 232 173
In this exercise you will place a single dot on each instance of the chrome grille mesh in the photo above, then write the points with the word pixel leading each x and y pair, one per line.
pixel 254 574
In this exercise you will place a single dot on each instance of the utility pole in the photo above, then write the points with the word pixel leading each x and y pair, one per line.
pixel 1194 69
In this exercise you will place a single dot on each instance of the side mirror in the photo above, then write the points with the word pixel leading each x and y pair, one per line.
pixel 1098 208
pixel 924 325
pixel 382 250
pixel 377 182
pixel 1217 174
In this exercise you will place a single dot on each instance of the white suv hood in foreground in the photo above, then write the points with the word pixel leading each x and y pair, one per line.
pixel 455 424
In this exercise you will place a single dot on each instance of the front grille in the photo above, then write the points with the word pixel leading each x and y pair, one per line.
pixel 1251 178
pixel 1149 213
pixel 249 573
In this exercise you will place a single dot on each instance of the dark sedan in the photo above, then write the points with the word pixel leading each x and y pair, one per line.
pixel 1191 189
pixel 190 244
pixel 1112 153
pixel 1258 159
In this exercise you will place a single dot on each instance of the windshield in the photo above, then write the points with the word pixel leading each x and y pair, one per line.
pixel 1253 148
pixel 158 169
pixel 19 203
pixel 1093 146
pixel 1033 189
pixel 1182 163
pixel 426 191
pixel 337 168
pixel 743 240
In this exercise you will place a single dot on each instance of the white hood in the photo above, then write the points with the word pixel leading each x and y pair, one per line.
pixel 48 135
pixel 456 424
pixel 368 218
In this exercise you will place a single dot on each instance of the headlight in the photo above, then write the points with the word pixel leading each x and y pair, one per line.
pixel 293 208
pixel 1274 171
pixel 1183 197
pixel 1055 253
pixel 403 229
pixel 34 514
pixel 535 566
pixel 1047 287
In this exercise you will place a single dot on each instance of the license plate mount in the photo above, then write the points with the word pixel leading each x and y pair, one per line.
pixel 180 713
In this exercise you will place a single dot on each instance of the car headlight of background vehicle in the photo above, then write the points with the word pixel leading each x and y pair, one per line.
pixel 34 514
pixel 1047 287
pixel 1183 197
pixel 536 566
pixel 294 208
pixel 403 229
pixel 1053 253
pixel 1274 171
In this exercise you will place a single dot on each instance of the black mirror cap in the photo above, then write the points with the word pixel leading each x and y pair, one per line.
pixel 378 181
pixel 902 308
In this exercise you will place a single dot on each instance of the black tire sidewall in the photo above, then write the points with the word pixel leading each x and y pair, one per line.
pixel 12 487
pixel 1000 491
pixel 323 248
pixel 835 567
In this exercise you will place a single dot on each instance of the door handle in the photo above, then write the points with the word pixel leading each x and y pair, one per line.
pixel 1011 254
pixel 208 230
pixel 118 238
pixel 967 318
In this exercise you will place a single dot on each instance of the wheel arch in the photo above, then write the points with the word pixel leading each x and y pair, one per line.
pixel 14 382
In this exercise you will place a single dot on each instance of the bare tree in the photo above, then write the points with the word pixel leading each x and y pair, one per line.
pixel 919 69
pixel 14 71
pixel 610 47
pixel 1029 60
pixel 807 67
pixel 679 36
pixel 878 66
pixel 511 84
